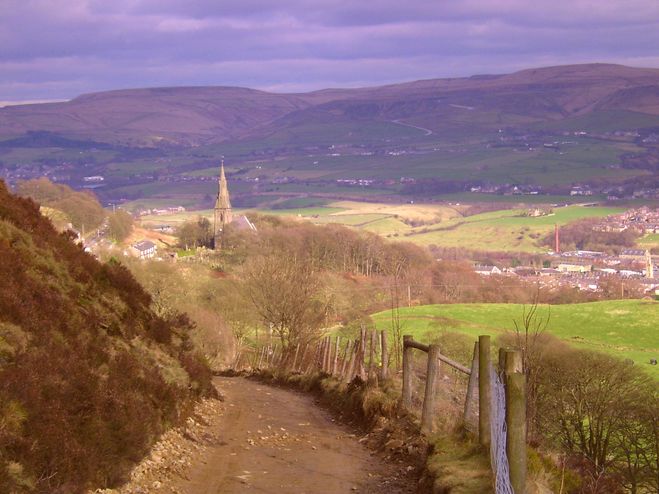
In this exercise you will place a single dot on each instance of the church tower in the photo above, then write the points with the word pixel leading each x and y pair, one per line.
pixel 222 214
pixel 649 268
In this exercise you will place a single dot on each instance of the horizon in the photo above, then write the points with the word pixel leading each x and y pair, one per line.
pixel 8 103
pixel 57 52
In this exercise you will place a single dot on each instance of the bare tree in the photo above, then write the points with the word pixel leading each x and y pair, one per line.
pixel 528 338
pixel 288 296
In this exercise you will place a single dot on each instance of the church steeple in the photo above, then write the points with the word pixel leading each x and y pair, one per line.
pixel 222 215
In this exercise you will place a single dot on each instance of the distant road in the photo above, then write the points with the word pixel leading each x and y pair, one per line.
pixel 427 131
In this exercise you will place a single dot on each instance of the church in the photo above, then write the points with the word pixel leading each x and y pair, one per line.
pixel 223 214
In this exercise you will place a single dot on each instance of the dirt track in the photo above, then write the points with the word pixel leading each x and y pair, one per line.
pixel 271 440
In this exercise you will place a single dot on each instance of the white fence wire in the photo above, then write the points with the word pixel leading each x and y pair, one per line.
pixel 498 455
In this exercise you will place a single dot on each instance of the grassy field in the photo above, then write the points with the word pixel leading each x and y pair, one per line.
pixel 427 224
pixel 625 328
pixel 649 241
pixel 505 230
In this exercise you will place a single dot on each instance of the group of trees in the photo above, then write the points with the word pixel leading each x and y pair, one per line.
pixel 196 233
pixel 120 225
pixel 581 235
pixel 82 208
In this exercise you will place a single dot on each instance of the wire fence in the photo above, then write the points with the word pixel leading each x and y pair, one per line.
pixel 498 455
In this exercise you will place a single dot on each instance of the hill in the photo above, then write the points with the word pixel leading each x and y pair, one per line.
pixel 194 115
pixel 89 374
pixel 549 127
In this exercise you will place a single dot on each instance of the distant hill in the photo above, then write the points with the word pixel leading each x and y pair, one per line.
pixel 196 115
pixel 89 374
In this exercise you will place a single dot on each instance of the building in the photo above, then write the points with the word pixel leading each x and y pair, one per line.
pixel 573 268
pixel 144 249
pixel 487 270
pixel 222 214
pixel 637 254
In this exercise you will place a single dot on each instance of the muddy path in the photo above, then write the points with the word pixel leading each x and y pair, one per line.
pixel 273 440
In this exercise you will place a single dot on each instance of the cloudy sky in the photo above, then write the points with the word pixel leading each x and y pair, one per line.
pixel 57 49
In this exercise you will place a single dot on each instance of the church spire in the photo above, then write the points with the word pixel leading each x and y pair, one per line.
pixel 222 214
pixel 222 201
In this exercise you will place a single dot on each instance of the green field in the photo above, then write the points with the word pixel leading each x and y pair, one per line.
pixel 441 225
pixel 625 328
pixel 650 240
pixel 504 230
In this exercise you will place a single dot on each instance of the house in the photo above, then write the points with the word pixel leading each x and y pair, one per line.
pixel 144 249
pixel 487 270
pixel 638 254
pixel 565 267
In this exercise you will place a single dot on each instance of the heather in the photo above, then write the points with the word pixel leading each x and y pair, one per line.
pixel 90 376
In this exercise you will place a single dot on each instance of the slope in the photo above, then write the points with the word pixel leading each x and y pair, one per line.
pixel 89 375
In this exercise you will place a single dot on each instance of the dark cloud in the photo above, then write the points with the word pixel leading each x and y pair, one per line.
pixel 60 49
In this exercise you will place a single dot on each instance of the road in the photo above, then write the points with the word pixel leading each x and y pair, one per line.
pixel 426 131
pixel 272 440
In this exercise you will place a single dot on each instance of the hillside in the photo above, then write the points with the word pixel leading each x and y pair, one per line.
pixel 544 129
pixel 89 375
pixel 187 115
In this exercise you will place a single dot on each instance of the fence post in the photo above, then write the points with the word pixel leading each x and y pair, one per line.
pixel 337 350
pixel 407 373
pixel 516 430
pixel 384 370
pixel 484 391
pixel 427 414
pixel 351 364
pixel 361 371
pixel 372 374
pixel 502 359
pixel 513 362
pixel 472 386
pixel 346 357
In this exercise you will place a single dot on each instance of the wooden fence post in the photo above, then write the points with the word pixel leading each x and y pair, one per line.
pixel 516 430
pixel 427 414
pixel 371 357
pixel 335 366
pixel 407 373
pixel 484 391
pixel 502 359
pixel 346 357
pixel 384 370
pixel 472 386
pixel 351 365
pixel 361 371
pixel 513 362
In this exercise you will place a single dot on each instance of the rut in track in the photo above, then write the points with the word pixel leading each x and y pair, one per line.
pixel 273 440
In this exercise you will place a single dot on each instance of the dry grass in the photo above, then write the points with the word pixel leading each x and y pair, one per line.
pixel 414 212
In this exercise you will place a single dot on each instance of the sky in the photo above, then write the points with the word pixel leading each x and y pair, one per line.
pixel 58 49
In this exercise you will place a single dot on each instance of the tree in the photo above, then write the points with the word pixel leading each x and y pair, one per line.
pixel 287 294
pixel 195 233
pixel 120 224
pixel 82 208
pixel 593 405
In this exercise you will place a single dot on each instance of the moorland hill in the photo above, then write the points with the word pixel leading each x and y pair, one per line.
pixel 195 115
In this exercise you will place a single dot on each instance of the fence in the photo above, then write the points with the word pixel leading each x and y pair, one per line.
pixel 495 398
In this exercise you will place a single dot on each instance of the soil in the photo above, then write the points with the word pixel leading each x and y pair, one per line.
pixel 273 440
